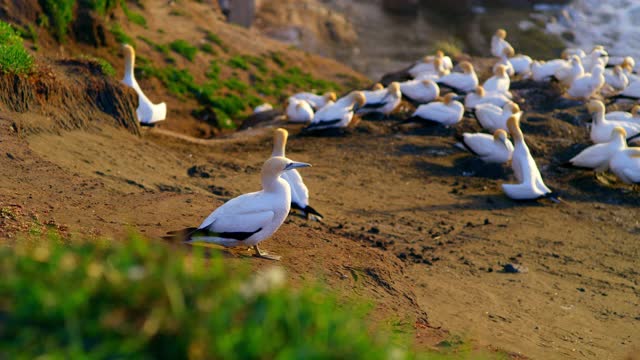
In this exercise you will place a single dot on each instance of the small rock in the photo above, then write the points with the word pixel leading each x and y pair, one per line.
pixel 513 269
pixel 487 222
pixel 374 230
pixel 580 289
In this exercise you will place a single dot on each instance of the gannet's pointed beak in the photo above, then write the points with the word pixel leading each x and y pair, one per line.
pixel 296 165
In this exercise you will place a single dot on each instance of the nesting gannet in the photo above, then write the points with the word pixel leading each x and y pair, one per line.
pixel 299 111
pixel 439 72
pixel 377 86
pixel 492 117
pixel 480 96
pixel 420 91
pixel 316 101
pixel 498 43
pixel 251 218
pixel 499 82
pixel 543 70
pixel 573 70
pixel 262 108
pixel 633 116
pixel 620 60
pixel 465 81
pixel 521 64
pixel 299 191
pixel 601 127
pixel 382 101
pixel 616 79
pixel 530 184
pixel 586 86
pixel 632 91
pixel 432 64
pixel 504 61
pixel 597 156
pixel 625 164
pixel 447 112
pixel 148 113
pixel 490 149
pixel 597 56
pixel 337 114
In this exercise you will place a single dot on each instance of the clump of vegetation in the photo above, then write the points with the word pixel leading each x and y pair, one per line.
pixel 14 58
pixel 121 36
pixel 105 66
pixel 239 62
pixel 451 47
pixel 103 7
pixel 60 14
pixel 216 40
pixel 137 299
pixel 133 16
pixel 207 48
pixel 185 49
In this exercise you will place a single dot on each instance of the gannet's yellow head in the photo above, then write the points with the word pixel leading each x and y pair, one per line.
pixel 394 88
pixel 377 86
pixel 500 135
pixel 279 142
pixel 508 52
pixel 514 108
pixel 513 124
pixel 129 52
pixel 635 111
pixel 617 69
pixel 595 106
pixel 428 82
pixel 276 165
pixel 501 33
pixel 480 91
pixel 447 99
pixel 359 98
pixel 575 59
pixel 629 63
pixel 618 131
pixel 466 67
pixel 330 96
pixel 439 54
pixel 501 71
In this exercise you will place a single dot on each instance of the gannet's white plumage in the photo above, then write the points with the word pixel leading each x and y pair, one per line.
pixel 499 82
pixel 568 52
pixel 480 96
pixel 494 148
pixel 625 164
pixel 446 112
pixel 316 101
pixel 602 127
pixel 420 91
pixel 632 91
pixel 492 117
pixel 573 70
pixel 616 79
pixel 504 61
pixel 438 64
pixel 521 64
pixel 498 43
pixel 465 81
pixel 262 108
pixel 299 111
pixel 597 156
pixel 530 184
pixel 299 191
pixel 543 70
pixel 633 116
pixel 597 56
pixel 587 85
pixel 147 112
pixel 337 114
pixel 382 101
pixel 251 218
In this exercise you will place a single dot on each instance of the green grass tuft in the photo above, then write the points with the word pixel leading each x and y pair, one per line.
pixel 216 40
pixel 121 36
pixel 185 49
pixel 105 66
pixel 60 14
pixel 14 58
pixel 207 48
pixel 239 62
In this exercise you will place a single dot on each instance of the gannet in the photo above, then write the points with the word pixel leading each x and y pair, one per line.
pixel 420 91
pixel 625 164
pixel 262 108
pixel 597 156
pixel 439 72
pixel 616 79
pixel 597 56
pixel 620 60
pixel 465 81
pixel 530 184
pixel 586 86
pixel 382 101
pixel 633 116
pixel 573 70
pixel 499 82
pixel 448 112
pixel 504 61
pixel 148 113
pixel 490 149
pixel 337 114
pixel 432 64
pixel 251 218
pixel 299 191
pixel 632 91
pixel 568 52
pixel 316 101
pixel 377 86
pixel 299 111
pixel 480 96
pixel 541 70
pixel 492 117
pixel 498 43
pixel 601 127
pixel 521 64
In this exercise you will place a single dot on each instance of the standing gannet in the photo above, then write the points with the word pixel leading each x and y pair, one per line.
pixel 262 108
pixel 420 91
pixel 299 111
pixel 625 164
pixel 448 112
pixel 597 156
pixel 499 82
pixel 492 117
pixel 251 218
pixel 337 114
pixel 490 149
pixel 543 70
pixel 616 79
pixel 573 70
pixel 587 85
pixel 316 101
pixel 504 60
pixel 597 56
pixel 299 191
pixel 382 101
pixel 480 96
pixel 465 81
pixel 633 116
pixel 498 43
pixel 530 184
pixel 521 64
pixel 601 127
pixel 148 113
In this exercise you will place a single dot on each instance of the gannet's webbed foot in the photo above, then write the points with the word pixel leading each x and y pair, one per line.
pixel 265 255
